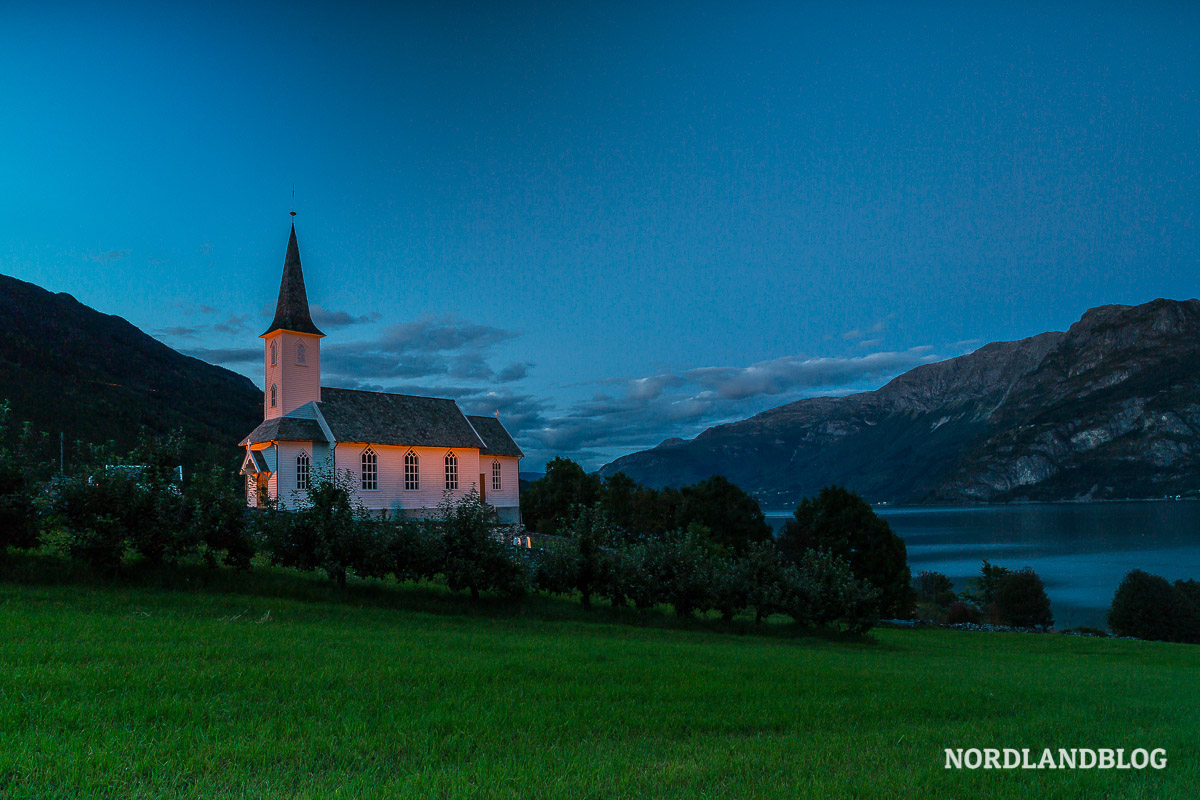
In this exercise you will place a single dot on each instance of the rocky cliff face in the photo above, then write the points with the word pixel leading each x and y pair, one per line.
pixel 1109 409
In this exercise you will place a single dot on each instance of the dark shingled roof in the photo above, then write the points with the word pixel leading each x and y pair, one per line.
pixel 395 419
pixel 286 429
pixel 291 312
pixel 497 439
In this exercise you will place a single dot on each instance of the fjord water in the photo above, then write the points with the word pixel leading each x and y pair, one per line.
pixel 1080 550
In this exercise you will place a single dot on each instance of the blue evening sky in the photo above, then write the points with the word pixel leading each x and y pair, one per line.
pixel 611 222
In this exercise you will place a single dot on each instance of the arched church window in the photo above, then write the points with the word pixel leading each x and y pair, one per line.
pixel 302 471
pixel 274 355
pixel 451 471
pixel 412 471
pixel 301 354
pixel 496 476
pixel 274 392
pixel 370 470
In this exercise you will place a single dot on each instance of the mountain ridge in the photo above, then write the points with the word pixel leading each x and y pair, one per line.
pixel 1109 408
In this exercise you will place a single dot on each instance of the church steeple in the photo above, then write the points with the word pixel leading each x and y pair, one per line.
pixel 291 311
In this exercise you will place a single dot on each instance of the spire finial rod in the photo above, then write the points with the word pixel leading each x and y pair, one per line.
pixel 293 211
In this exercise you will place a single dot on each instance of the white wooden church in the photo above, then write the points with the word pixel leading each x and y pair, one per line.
pixel 404 452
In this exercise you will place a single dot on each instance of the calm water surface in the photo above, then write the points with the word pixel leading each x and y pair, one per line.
pixel 1080 550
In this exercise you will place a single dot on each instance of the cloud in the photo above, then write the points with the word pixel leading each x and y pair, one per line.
pixel 328 318
pixel 637 413
pixel 228 355
pixel 441 347
pixel 107 257
pixel 862 333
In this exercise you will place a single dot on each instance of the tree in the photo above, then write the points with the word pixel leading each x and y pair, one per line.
pixel 472 553
pixel 982 590
pixel 822 591
pixel 19 518
pixel 216 514
pixel 935 588
pixel 681 566
pixel 733 517
pixel 1021 601
pixel 328 531
pixel 763 571
pixel 549 501
pixel 839 522
pixel 577 563
pixel 1148 607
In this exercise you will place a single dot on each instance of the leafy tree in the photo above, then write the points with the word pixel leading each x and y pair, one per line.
pixel 215 506
pixel 19 517
pixel 1021 601
pixel 982 590
pixel 822 592
pixel 328 531
pixel 578 562
pixel 681 566
pixel 549 501
pixel 1148 607
pixel 733 517
pixel 935 588
pixel 618 493
pixel 839 522
pixel 472 553
pixel 764 572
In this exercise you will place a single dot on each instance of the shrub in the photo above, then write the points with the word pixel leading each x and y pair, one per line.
pixel 1147 607
pixel 959 613
pixel 934 587
pixel 1020 600
pixel 840 522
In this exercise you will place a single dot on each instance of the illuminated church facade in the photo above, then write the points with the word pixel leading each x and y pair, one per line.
pixel 404 453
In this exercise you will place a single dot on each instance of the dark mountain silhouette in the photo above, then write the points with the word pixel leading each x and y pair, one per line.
pixel 96 378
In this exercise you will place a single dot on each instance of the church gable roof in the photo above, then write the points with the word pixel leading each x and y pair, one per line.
pixel 291 310
pixel 286 429
pixel 497 439
pixel 395 419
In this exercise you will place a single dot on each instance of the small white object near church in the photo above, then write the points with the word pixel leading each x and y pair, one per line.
pixel 405 453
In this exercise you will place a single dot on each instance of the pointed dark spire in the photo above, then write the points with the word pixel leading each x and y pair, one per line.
pixel 291 312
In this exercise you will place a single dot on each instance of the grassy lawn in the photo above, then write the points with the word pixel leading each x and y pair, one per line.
pixel 161 691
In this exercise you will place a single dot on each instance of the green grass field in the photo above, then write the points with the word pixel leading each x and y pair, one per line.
pixel 163 691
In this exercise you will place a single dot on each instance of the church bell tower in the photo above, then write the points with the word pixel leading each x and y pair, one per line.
pixel 292 345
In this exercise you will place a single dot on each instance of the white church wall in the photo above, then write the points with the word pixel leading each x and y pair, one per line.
pixel 391 494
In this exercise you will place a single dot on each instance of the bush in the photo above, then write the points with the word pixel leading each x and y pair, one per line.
pixel 934 587
pixel 1147 607
pixel 960 613
pixel 1020 601
pixel 840 522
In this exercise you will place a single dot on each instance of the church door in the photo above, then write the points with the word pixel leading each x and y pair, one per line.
pixel 482 488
